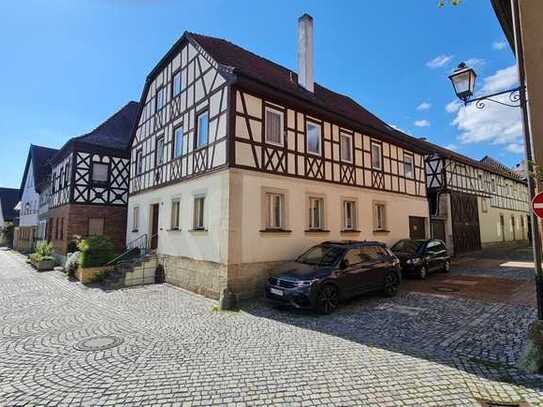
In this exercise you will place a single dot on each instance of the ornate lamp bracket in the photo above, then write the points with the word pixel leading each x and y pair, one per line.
pixel 514 99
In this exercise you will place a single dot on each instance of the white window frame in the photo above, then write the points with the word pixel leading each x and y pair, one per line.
pixel 344 204
pixel 159 158
pixel 175 215
pixel 135 218
pixel 281 129
pixel 319 127
pixel 139 162
pixel 380 147
pixel 160 99
pixel 346 136
pixel 411 158
pixel 175 141
pixel 198 116
pixel 199 213
pixel 317 223
pixel 177 74
pixel 379 222
pixel 271 214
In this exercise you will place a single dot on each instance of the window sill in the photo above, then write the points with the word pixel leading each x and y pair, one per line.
pixel 351 231
pixel 275 231
pixel 317 231
pixel 381 231
pixel 198 230
pixel 135 230
pixel 173 230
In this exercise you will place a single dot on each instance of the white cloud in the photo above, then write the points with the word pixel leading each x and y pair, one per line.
pixel 501 80
pixel 499 45
pixel 453 106
pixel 515 148
pixel 439 61
pixel 474 62
pixel 424 106
pixel 422 123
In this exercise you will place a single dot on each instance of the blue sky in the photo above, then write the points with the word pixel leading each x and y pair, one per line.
pixel 67 65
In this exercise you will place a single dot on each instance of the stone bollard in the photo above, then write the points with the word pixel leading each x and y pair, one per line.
pixel 228 301
pixel 531 360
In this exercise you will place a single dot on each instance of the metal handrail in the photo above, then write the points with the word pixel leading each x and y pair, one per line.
pixel 140 243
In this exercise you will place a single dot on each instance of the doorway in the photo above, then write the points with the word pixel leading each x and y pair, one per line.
pixel 513 227
pixel 154 227
pixel 417 227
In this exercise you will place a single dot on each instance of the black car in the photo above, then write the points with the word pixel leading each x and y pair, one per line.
pixel 420 257
pixel 332 271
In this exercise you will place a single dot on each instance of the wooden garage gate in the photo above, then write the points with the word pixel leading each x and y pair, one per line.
pixel 465 222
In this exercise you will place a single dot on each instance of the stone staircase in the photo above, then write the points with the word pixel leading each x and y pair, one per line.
pixel 133 272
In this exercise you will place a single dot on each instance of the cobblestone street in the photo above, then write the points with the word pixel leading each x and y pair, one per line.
pixel 163 346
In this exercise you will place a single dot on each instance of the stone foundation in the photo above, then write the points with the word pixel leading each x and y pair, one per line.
pixel 209 279
pixel 202 277
pixel 506 244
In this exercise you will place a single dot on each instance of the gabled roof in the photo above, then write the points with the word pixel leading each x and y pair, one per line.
pixel 39 157
pixel 244 64
pixel 114 133
pixel 8 199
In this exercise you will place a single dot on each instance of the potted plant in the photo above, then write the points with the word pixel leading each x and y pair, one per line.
pixel 42 258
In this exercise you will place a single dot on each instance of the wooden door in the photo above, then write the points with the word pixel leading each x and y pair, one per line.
pixel 437 227
pixel 502 227
pixel 417 227
pixel 513 226
pixel 465 222
pixel 154 227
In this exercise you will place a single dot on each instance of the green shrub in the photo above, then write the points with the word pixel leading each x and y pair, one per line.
pixel 96 251
pixel 44 249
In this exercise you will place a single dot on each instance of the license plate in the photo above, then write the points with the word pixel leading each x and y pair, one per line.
pixel 276 291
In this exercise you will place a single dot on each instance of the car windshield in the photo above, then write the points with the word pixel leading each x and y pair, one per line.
pixel 407 246
pixel 321 255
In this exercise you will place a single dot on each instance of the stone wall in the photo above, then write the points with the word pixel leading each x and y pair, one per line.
pixel 202 277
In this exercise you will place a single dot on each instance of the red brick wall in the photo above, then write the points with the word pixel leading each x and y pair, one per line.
pixel 76 222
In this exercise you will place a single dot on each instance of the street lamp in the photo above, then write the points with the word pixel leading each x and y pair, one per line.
pixel 463 80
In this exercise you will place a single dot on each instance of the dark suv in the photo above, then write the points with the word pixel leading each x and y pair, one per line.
pixel 333 271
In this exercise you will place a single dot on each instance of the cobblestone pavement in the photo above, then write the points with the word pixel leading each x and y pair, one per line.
pixel 414 350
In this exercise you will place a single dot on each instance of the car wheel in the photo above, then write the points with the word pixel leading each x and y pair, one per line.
pixel 423 272
pixel 392 284
pixel 328 299
pixel 447 266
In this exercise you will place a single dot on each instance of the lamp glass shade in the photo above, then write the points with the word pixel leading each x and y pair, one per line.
pixel 463 80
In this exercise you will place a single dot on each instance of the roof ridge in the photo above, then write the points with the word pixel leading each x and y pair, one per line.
pixel 102 124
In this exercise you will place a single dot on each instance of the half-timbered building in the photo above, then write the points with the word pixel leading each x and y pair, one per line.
pixel 238 163
pixel 475 204
pixel 32 193
pixel 89 183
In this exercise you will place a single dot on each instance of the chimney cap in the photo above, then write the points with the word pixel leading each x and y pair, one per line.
pixel 305 16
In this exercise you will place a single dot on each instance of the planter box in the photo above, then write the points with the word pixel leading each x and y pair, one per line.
pixel 86 275
pixel 43 265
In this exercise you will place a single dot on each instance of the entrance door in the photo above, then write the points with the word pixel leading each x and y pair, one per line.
pixel 465 222
pixel 513 226
pixel 438 229
pixel 502 227
pixel 417 227
pixel 154 226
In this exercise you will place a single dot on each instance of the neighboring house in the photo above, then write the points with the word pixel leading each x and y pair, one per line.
pixel 238 163
pixel 89 183
pixel 8 215
pixel 36 173
pixel 475 204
